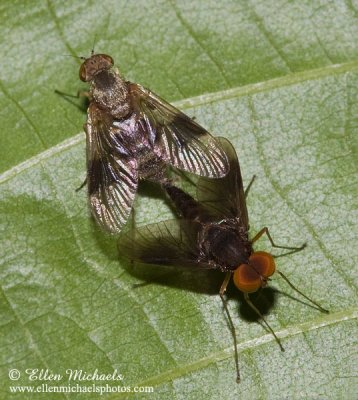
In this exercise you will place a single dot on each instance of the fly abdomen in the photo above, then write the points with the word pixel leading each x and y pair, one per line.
pixel 186 206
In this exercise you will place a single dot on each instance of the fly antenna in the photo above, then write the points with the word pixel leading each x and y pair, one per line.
pixel 94 42
pixel 303 295
pixel 71 55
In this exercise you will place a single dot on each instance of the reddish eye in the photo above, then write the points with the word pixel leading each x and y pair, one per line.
pixel 83 72
pixel 93 65
pixel 263 263
pixel 108 58
pixel 246 279
pixel 251 277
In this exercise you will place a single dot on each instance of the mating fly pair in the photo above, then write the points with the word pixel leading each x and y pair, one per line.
pixel 132 134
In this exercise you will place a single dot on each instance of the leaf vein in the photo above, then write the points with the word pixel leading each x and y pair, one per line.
pixel 197 101
pixel 24 113
pixel 192 34
pixel 183 370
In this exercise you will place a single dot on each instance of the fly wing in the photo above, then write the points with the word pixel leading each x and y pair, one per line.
pixel 176 138
pixel 225 197
pixel 172 242
pixel 112 176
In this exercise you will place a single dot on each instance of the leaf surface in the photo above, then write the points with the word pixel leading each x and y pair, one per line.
pixel 280 80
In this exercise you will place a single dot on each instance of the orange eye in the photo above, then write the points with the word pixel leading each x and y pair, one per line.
pixel 246 279
pixel 263 263
pixel 251 277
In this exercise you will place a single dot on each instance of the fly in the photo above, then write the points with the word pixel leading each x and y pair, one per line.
pixel 212 233
pixel 133 134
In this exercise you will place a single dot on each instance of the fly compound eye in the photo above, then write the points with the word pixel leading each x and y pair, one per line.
pixel 83 73
pixel 251 277
pixel 263 263
pixel 247 279
pixel 93 65
pixel 107 59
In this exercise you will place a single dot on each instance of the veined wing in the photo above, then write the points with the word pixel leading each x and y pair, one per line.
pixel 112 176
pixel 176 138
pixel 225 197
pixel 172 243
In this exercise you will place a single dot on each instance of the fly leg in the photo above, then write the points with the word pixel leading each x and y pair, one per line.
pixel 132 230
pixel 250 303
pixel 249 186
pixel 302 294
pixel 80 94
pixel 231 324
pixel 265 230
pixel 294 249
pixel 84 183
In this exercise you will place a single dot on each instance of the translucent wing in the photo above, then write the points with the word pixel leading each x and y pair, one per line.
pixel 176 138
pixel 225 197
pixel 112 176
pixel 172 242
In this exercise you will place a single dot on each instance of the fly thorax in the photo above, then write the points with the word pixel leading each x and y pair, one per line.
pixel 226 246
pixel 127 127
pixel 110 92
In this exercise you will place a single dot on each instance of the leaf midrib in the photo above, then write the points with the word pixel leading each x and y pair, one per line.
pixel 291 331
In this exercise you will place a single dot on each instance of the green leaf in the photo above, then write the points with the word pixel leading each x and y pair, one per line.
pixel 280 80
